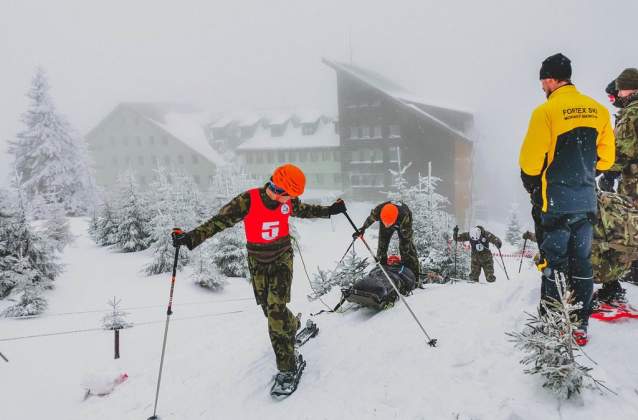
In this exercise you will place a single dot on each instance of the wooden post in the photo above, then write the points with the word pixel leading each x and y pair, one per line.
pixel 117 343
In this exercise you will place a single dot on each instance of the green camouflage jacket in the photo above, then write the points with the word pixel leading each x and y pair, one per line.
pixel 237 209
pixel 403 223
pixel 626 134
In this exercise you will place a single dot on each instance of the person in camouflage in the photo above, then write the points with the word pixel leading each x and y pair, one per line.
pixel 480 240
pixel 265 213
pixel 394 216
pixel 626 134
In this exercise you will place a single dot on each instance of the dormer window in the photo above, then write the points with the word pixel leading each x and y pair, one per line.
pixel 308 129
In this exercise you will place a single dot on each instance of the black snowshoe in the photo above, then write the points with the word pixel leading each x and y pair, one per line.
pixel 286 382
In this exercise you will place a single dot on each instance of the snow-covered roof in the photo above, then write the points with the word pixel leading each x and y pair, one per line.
pixel 311 117
pixel 398 93
pixel 279 119
pixel 292 138
pixel 250 120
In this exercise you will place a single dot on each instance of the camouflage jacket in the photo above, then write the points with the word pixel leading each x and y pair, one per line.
pixel 403 224
pixel 237 209
pixel 482 245
pixel 626 134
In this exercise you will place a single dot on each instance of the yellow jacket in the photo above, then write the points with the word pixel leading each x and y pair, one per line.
pixel 569 137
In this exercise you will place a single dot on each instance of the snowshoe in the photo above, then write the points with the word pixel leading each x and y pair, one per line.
pixel 605 312
pixel 310 330
pixel 286 382
pixel 609 297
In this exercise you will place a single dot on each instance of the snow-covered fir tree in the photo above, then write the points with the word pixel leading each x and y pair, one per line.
pixel 107 223
pixel 27 257
pixel 352 269
pixel 50 154
pixel 131 214
pixel 432 228
pixel 549 340
pixel 164 211
pixel 204 272
pixel 514 232
pixel 57 226
pixel 115 319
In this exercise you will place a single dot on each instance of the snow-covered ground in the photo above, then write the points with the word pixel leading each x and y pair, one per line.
pixel 362 365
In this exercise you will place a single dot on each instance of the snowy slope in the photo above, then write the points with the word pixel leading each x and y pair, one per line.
pixel 362 365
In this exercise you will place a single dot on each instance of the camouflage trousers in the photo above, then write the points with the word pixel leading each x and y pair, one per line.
pixel 485 261
pixel 271 285
pixel 629 186
pixel 407 250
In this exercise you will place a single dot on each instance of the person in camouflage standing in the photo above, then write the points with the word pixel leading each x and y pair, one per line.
pixel 626 134
pixel 265 212
pixel 480 240
pixel 394 216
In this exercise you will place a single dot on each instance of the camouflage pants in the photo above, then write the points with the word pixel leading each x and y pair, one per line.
pixel 485 261
pixel 407 250
pixel 629 186
pixel 271 285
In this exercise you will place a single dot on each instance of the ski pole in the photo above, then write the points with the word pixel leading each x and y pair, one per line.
pixel 504 269
pixel 456 249
pixel 432 341
pixel 169 312
pixel 522 256
pixel 5 359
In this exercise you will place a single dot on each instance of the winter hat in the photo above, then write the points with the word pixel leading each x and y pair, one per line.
pixel 628 79
pixel 556 67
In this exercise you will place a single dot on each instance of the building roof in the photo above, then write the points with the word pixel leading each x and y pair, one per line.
pixel 183 122
pixel 399 95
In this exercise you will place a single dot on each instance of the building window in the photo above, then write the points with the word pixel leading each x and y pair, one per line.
pixel 260 157
pixel 249 157
pixel 395 131
pixel 325 155
pixel 337 155
pixel 319 178
pixel 143 180
pixel 377 155
pixel 138 140
pixel 354 132
pixel 281 157
pixel 140 160
pixel 394 154
pixel 308 129
pixel 337 179
pixel 270 157
pixel 314 155
pixel 366 180
pixel 124 141
pixel 180 159
pixel 196 179
pixel 378 132
pixel 365 131
pixel 292 156
pixel 354 156
pixel 303 156
pixel 164 140
pixel 114 160
pixel 194 159
pixel 167 160
pixel 112 141
pixel 151 140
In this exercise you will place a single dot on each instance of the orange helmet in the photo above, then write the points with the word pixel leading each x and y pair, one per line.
pixel 394 260
pixel 290 179
pixel 389 214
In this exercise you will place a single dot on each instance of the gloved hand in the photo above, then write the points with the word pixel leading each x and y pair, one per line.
pixel 456 232
pixel 337 207
pixel 360 231
pixel 607 181
pixel 498 244
pixel 180 239
pixel 527 235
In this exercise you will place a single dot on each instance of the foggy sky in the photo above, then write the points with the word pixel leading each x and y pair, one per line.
pixel 483 56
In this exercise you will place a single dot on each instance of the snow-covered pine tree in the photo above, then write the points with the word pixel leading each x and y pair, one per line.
pixel 514 232
pixel 204 273
pixel 115 319
pixel 107 223
pixel 50 154
pixel 549 340
pixel 27 257
pixel 352 269
pixel 132 215
pixel 57 226
pixel 161 225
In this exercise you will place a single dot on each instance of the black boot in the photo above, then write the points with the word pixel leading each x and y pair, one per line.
pixel 611 293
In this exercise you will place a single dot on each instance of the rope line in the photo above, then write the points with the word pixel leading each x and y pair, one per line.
pixel 102 329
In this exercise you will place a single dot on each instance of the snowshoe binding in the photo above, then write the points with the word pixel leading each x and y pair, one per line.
pixel 286 382
pixel 309 331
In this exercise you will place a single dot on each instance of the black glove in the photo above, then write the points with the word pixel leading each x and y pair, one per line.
pixel 527 234
pixel 337 207
pixel 456 233
pixel 358 232
pixel 180 239
pixel 607 181
pixel 498 244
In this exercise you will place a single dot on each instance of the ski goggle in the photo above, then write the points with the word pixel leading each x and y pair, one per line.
pixel 278 191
